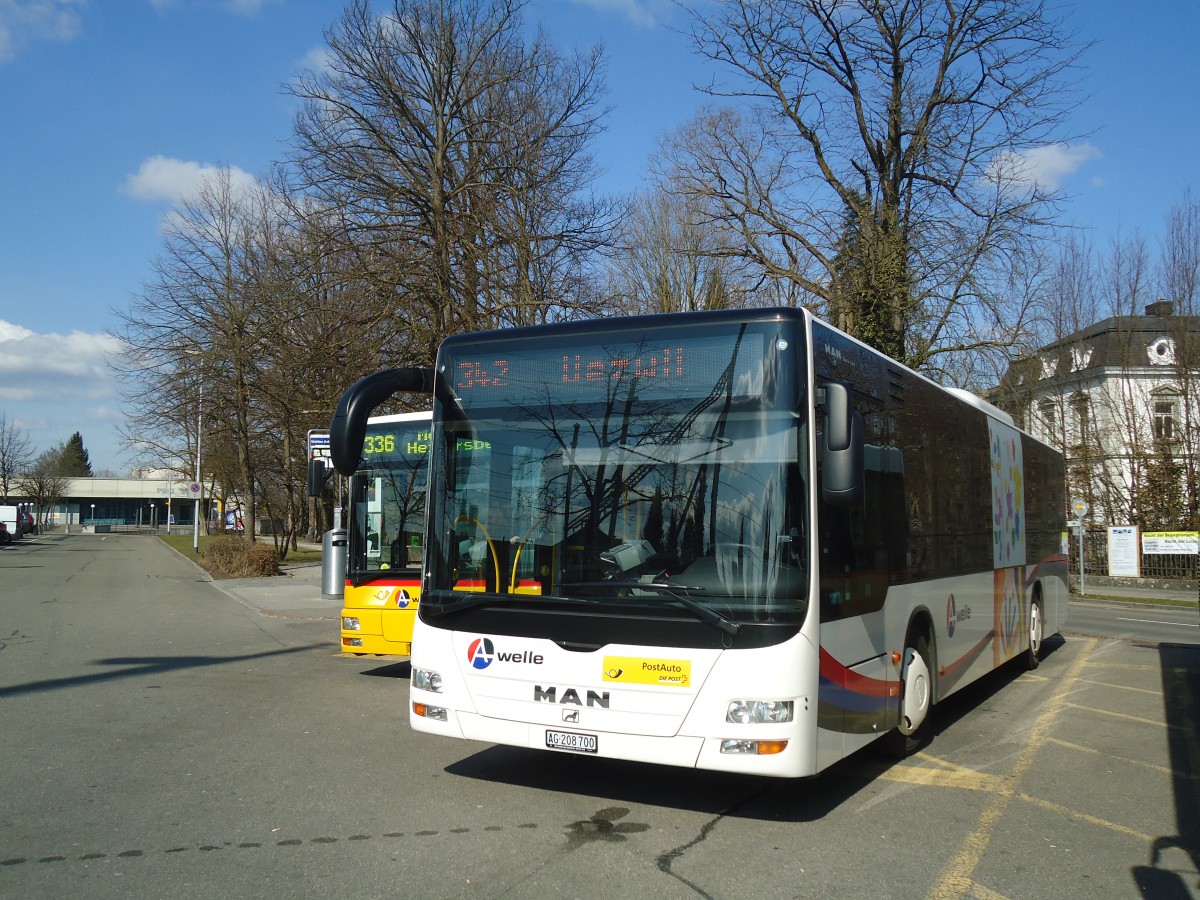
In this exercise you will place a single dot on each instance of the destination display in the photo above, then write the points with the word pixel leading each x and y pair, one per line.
pixel 385 442
pixel 652 366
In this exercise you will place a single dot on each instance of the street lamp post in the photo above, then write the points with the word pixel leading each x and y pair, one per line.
pixel 200 492
pixel 153 521
pixel 93 516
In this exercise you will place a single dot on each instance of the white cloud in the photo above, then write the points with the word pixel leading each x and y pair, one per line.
pixel 316 60
pixel 52 385
pixel 74 364
pixel 11 332
pixel 23 21
pixel 640 12
pixel 239 7
pixel 161 178
pixel 1045 167
pixel 248 7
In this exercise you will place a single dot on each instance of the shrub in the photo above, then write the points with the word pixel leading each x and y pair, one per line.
pixel 236 557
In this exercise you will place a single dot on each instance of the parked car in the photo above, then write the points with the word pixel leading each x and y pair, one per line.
pixel 5 535
pixel 25 523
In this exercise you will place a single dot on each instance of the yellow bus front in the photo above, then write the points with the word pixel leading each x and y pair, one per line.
pixel 386 540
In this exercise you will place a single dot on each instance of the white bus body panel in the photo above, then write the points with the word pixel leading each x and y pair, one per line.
pixel 525 687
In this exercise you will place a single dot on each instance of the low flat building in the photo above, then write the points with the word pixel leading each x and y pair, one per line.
pixel 122 502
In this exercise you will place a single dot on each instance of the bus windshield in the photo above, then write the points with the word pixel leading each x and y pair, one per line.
pixel 646 471
pixel 387 526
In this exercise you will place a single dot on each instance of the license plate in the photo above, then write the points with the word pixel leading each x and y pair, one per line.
pixel 570 740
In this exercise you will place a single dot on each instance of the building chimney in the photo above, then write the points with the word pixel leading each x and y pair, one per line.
pixel 1161 308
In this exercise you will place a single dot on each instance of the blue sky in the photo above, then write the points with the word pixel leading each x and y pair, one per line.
pixel 112 109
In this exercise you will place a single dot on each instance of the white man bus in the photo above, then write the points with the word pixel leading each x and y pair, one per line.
pixel 735 540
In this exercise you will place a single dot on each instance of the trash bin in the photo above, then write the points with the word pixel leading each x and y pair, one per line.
pixel 333 564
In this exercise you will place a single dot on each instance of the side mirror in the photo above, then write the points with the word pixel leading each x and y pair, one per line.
pixel 318 474
pixel 841 448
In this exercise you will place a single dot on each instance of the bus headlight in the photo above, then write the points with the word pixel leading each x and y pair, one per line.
pixel 759 712
pixel 427 680
pixel 350 623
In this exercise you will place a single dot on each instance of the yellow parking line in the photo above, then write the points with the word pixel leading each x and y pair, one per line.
pixel 1129 761
pixel 1123 667
pixel 1116 715
pixel 1091 820
pixel 1121 687
pixel 931 777
pixel 957 879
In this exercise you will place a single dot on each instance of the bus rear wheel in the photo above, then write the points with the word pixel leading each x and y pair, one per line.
pixel 1037 629
pixel 896 742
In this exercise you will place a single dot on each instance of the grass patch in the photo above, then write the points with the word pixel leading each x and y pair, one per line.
pixel 225 556
pixel 1144 601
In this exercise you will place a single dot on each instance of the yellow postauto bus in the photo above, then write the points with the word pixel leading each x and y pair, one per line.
pixel 386 536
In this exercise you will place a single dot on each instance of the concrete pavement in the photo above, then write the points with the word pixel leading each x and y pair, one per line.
pixel 295 594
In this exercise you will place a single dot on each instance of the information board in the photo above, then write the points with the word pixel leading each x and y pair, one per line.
pixel 1171 542
pixel 1123 551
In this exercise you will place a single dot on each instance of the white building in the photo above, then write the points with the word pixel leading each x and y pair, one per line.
pixel 1119 399
pixel 110 502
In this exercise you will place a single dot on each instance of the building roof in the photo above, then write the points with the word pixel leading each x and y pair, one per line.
pixel 1157 339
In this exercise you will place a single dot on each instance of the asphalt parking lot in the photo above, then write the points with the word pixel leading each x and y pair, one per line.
pixel 163 735
pixel 1100 782
pixel 1102 778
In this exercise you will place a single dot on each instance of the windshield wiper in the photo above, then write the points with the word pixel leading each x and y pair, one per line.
pixel 476 601
pixel 471 602
pixel 702 612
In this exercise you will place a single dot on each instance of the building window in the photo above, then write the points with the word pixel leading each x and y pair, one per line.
pixel 1079 406
pixel 1049 418
pixel 1164 419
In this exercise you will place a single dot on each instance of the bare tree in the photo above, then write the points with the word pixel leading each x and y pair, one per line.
pixel 197 332
pixel 1179 280
pixel 454 151
pixel 16 453
pixel 43 483
pixel 879 157
pixel 668 258
pixel 1073 299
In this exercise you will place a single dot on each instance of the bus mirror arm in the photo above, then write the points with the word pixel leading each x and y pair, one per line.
pixel 842 447
pixel 348 428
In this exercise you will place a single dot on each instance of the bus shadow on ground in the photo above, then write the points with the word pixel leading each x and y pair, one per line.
pixel 402 669
pixel 135 666
pixel 1169 855
pixel 721 793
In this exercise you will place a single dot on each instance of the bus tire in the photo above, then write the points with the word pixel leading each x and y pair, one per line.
pixel 896 743
pixel 1037 631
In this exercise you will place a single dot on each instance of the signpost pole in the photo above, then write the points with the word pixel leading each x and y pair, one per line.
pixel 198 487
pixel 1080 508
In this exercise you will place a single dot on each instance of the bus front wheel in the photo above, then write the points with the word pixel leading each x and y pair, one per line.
pixel 916 692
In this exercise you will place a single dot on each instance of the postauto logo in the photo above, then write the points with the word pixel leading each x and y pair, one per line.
pixel 482 653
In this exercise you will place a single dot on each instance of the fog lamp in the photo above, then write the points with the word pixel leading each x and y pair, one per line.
pixel 436 713
pixel 753 748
